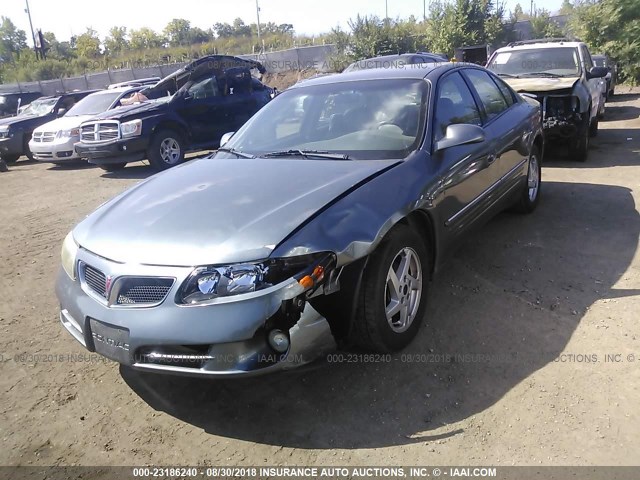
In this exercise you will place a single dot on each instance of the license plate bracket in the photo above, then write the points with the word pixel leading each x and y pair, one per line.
pixel 110 341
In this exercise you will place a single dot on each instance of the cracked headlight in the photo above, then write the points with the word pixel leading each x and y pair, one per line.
pixel 131 129
pixel 68 255
pixel 210 282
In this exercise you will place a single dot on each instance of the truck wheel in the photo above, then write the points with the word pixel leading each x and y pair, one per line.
pixel 26 149
pixel 113 167
pixel 10 158
pixel 166 150
pixel 393 295
pixel 579 145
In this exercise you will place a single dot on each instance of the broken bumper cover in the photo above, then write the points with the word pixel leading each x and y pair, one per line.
pixel 116 151
pixel 227 338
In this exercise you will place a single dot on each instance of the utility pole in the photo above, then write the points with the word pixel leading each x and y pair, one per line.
pixel 531 11
pixel 424 10
pixel 33 36
pixel 386 9
pixel 258 15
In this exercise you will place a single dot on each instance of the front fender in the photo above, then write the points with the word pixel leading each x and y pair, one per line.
pixel 355 224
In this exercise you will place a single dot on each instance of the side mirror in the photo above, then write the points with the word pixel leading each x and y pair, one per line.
pixel 62 111
pixel 460 134
pixel 597 72
pixel 225 138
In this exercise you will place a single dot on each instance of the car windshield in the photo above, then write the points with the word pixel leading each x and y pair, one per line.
pixel 38 108
pixel 93 104
pixel 561 62
pixel 371 119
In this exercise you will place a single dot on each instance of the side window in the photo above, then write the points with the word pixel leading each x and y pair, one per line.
pixel 506 91
pixel 588 63
pixel 490 95
pixel 454 104
pixel 206 88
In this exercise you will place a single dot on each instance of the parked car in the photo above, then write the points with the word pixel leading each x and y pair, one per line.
pixel 394 61
pixel 10 103
pixel 54 141
pixel 188 110
pixel 561 76
pixel 250 260
pixel 15 132
pixel 612 72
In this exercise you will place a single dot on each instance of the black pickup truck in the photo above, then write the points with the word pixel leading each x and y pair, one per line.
pixel 188 110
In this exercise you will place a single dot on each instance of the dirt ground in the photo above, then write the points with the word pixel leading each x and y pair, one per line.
pixel 511 367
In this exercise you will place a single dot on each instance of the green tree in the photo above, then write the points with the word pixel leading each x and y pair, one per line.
pixel 543 27
pixel 12 40
pixel 177 32
pixel 145 38
pixel 611 27
pixel 116 42
pixel 88 44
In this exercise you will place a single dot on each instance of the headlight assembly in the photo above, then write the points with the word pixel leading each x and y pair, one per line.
pixel 210 282
pixel 74 132
pixel 68 255
pixel 131 129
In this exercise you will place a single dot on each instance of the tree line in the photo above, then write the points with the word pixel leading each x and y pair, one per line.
pixel 607 26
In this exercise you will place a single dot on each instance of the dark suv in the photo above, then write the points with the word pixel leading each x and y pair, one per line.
pixel 15 132
pixel 188 110
pixel 11 102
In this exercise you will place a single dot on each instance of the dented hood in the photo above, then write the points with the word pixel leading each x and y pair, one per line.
pixel 540 84
pixel 216 211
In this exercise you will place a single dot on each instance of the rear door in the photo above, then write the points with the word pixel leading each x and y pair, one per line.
pixel 467 172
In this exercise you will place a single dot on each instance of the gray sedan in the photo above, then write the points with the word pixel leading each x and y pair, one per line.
pixel 320 222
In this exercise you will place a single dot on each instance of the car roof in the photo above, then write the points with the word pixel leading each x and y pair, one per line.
pixel 415 71
pixel 516 46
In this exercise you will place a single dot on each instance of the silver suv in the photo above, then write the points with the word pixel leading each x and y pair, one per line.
pixel 559 74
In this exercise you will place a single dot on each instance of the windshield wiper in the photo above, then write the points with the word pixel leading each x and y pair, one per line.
pixel 238 153
pixel 541 74
pixel 509 75
pixel 307 154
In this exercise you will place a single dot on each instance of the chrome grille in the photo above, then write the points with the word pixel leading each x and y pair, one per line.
pixel 44 137
pixel 100 132
pixel 137 291
pixel 95 280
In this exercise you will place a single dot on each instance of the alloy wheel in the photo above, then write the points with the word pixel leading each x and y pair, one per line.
pixel 403 290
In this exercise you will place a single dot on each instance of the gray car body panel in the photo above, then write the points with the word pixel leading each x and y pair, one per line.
pixel 227 210
pixel 193 201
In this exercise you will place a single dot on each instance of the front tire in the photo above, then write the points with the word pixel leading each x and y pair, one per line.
pixel 9 159
pixel 579 145
pixel 393 294
pixel 113 167
pixel 166 150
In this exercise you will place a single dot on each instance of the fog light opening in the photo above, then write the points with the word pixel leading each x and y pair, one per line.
pixel 278 340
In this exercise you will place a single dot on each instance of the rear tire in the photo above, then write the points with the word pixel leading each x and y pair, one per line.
pixel 166 150
pixel 579 145
pixel 113 167
pixel 530 195
pixel 393 295
pixel 593 128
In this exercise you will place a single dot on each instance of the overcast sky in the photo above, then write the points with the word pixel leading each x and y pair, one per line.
pixel 67 17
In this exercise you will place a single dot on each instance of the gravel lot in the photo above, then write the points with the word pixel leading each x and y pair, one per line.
pixel 528 309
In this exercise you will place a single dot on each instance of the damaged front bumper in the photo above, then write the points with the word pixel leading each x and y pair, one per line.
pixel 561 118
pixel 141 324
